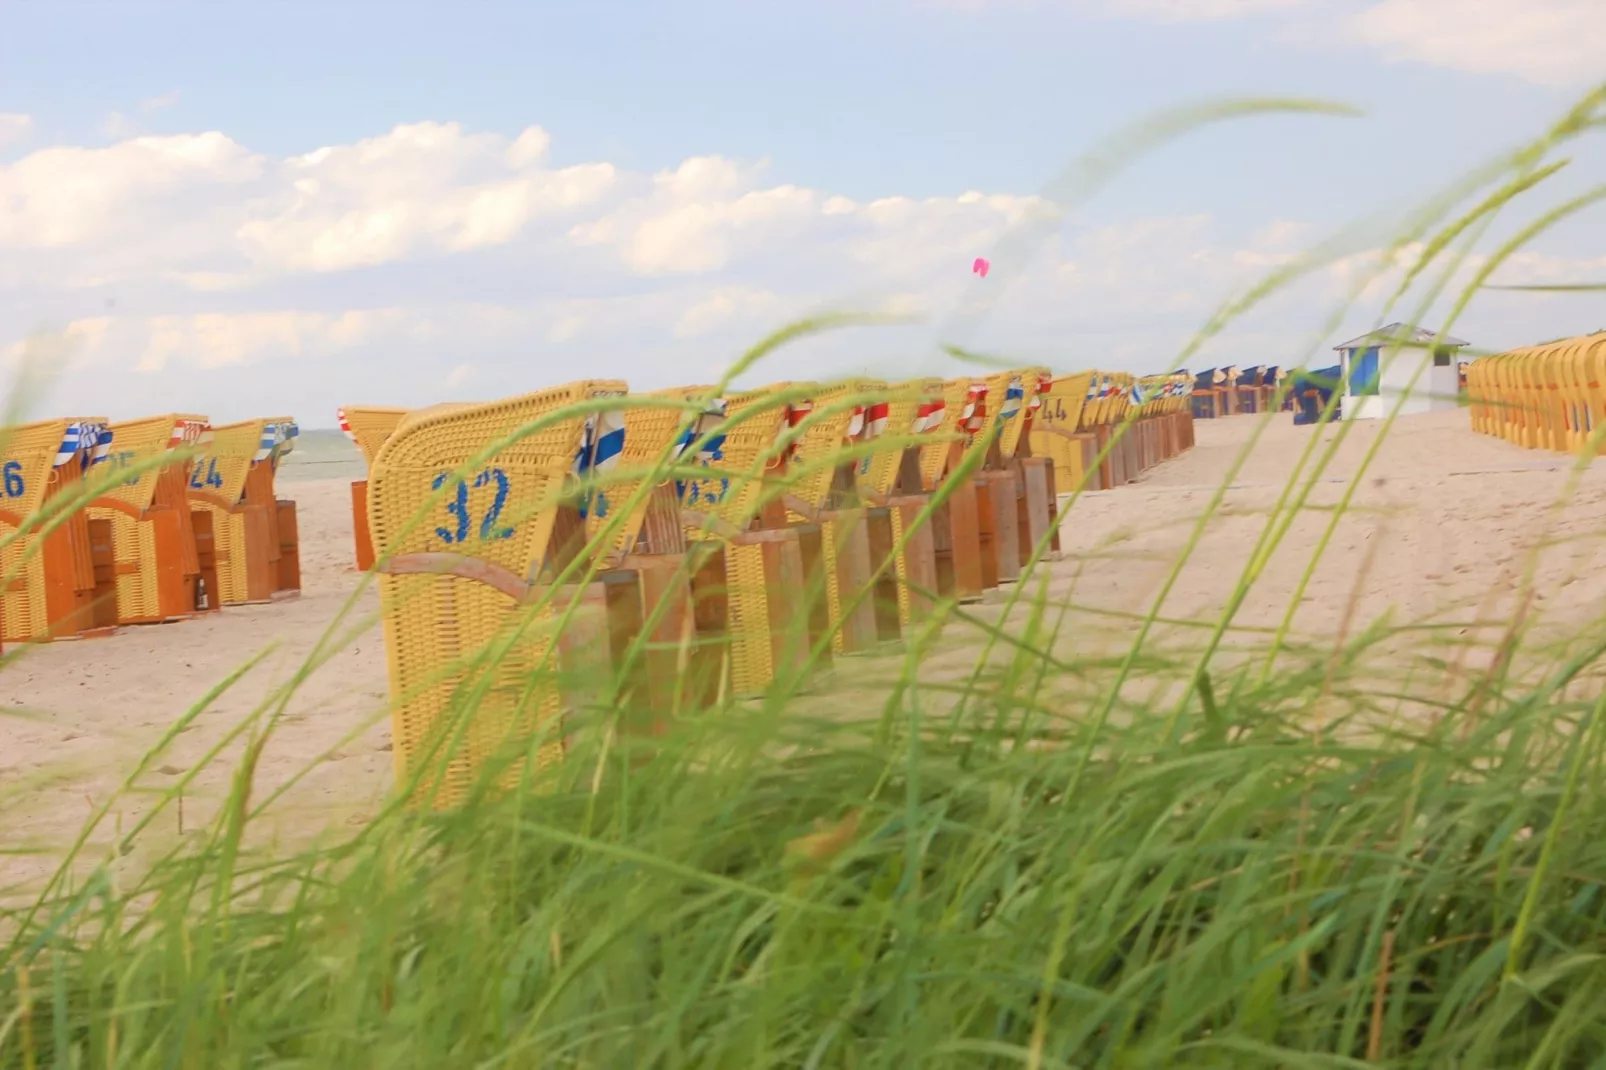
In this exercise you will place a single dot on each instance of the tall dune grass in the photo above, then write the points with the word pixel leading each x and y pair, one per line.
pixel 1229 850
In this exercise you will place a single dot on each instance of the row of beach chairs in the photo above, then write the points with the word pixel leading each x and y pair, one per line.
pixel 586 547
pixel 140 522
pixel 1544 397
pixel 1235 391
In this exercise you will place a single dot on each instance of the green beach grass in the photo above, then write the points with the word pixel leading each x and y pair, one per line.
pixel 1230 850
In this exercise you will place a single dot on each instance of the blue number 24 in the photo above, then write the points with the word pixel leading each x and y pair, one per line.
pixel 457 507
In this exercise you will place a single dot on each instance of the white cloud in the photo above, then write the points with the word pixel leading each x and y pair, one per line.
pixel 432 260
pixel 14 126
pixel 421 186
pixel 1552 42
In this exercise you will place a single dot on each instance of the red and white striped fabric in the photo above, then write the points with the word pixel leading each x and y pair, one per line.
pixel 856 423
pixel 930 415
pixel 345 424
pixel 1034 398
pixel 875 419
pixel 190 433
pixel 974 414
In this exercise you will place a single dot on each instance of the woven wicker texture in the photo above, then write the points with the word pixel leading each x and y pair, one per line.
pixel 822 438
pixel 27 454
pixel 369 426
pixel 733 487
pixel 731 491
pixel 650 432
pixel 878 472
pixel 451 481
pixel 217 481
pixel 1011 428
pixel 136 442
pixel 934 455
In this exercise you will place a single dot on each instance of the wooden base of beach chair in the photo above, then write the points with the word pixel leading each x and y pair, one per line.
pixel 243 552
pixel 907 581
pixel 999 529
pixel 287 578
pixel 956 543
pixel 595 648
pixel 837 569
pixel 751 617
pixel 1036 508
pixel 359 526
pixel 156 578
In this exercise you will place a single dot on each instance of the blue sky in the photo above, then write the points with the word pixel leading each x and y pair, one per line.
pixel 699 172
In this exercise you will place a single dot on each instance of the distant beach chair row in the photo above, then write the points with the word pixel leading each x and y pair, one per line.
pixel 1544 397
pixel 140 522
pixel 589 547
pixel 1233 391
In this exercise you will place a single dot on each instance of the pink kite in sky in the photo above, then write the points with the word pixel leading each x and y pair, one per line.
pixel 980 267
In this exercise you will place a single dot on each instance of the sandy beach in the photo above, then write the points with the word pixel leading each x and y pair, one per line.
pixel 1438 530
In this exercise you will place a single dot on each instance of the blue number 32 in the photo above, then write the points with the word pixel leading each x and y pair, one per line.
pixel 457 507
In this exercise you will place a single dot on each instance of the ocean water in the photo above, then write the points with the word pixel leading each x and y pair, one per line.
pixel 324 454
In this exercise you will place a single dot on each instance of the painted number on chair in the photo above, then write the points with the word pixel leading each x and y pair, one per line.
pixel 205 474
pixel 461 521
pixel 1053 409
pixel 11 481
pixel 119 461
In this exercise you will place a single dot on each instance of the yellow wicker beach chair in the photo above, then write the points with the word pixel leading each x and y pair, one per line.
pixel 255 534
pixel 750 589
pixel 368 426
pixel 161 574
pixel 997 517
pixel 462 521
pixel 888 480
pixel 956 522
pixel 1032 482
pixel 625 528
pixel 822 502
pixel 1056 430
pixel 59 584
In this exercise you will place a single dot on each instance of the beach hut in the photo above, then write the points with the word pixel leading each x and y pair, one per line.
pixel 166 566
pixel 58 583
pixel 257 547
pixel 1378 369
pixel 368 426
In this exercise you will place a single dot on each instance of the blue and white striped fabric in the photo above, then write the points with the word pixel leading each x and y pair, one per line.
pixel 711 449
pixel 101 448
pixel 71 443
pixel 87 441
pixel 1137 398
pixel 1014 398
pixel 601 443
pixel 277 440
